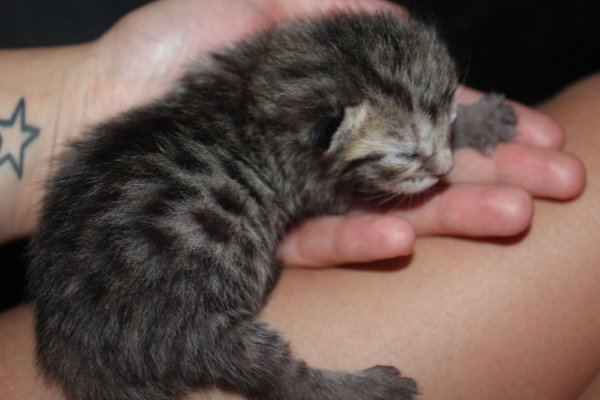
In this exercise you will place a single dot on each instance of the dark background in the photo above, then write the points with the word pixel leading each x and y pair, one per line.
pixel 525 49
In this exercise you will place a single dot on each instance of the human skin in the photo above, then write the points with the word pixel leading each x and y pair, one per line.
pixel 462 326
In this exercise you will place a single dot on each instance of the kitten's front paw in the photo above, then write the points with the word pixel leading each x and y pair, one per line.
pixel 385 383
pixel 484 124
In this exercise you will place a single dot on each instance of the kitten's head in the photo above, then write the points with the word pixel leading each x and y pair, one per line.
pixel 373 96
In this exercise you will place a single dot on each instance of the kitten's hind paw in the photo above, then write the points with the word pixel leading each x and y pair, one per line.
pixel 484 124
pixel 385 383
pixel 376 383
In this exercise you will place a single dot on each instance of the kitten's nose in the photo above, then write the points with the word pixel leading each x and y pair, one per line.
pixel 440 164
pixel 434 168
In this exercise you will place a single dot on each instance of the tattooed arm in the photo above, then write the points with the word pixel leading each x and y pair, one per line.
pixel 33 88
pixel 66 89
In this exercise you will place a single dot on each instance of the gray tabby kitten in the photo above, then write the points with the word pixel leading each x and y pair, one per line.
pixel 156 239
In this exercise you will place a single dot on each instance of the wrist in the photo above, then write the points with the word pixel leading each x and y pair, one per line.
pixel 47 89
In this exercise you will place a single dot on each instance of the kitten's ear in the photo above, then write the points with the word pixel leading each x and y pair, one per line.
pixel 325 128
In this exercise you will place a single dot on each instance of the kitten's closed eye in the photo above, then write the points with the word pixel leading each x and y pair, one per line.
pixel 326 127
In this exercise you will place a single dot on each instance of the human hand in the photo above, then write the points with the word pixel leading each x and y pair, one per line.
pixel 140 58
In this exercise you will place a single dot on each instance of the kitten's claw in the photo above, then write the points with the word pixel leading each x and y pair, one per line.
pixel 484 124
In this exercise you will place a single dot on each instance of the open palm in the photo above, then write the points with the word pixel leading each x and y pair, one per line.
pixel 143 54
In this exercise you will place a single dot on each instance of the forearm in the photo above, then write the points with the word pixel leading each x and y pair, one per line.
pixel 41 100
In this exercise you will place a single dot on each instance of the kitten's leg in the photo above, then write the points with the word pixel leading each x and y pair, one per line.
pixel 484 124
pixel 253 359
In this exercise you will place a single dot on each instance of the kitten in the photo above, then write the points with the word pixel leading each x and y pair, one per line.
pixel 156 239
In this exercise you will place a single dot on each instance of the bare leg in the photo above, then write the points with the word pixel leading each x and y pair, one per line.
pixel 467 319
pixel 592 391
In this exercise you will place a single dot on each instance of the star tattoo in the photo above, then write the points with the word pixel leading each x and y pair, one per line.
pixel 15 136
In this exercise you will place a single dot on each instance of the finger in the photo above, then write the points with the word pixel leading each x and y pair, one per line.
pixel 473 211
pixel 533 127
pixel 542 172
pixel 336 240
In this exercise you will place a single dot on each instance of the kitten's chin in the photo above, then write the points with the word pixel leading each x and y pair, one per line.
pixel 416 185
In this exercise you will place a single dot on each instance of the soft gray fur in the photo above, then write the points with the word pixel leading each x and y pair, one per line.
pixel 490 118
pixel 156 239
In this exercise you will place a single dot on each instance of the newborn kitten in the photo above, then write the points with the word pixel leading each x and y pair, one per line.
pixel 156 239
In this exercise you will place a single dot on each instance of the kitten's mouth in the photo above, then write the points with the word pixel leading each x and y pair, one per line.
pixel 417 185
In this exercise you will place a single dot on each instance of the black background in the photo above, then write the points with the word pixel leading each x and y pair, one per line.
pixel 525 49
